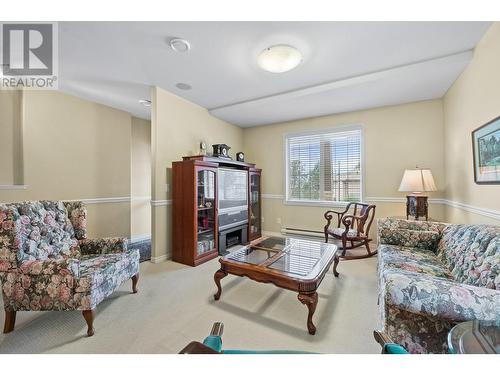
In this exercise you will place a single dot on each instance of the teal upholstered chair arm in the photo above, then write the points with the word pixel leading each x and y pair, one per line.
pixel 388 347
pixel 213 342
pixel 213 345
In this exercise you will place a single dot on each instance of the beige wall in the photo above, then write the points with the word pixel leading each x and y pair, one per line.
pixel 140 174
pixel 395 138
pixel 76 149
pixel 473 100
pixel 177 128
pixel 10 138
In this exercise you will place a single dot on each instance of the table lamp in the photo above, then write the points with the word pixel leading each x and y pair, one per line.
pixel 417 181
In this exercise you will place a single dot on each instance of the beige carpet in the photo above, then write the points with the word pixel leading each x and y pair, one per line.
pixel 175 306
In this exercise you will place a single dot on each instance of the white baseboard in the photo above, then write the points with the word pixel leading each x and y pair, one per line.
pixel 160 259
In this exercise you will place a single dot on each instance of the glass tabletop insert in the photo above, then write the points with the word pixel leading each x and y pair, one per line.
pixel 292 255
pixel 252 255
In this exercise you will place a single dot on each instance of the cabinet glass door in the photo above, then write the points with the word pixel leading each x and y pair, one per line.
pixel 255 209
pixel 205 211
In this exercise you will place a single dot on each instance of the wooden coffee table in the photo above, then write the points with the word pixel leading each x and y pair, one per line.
pixel 289 263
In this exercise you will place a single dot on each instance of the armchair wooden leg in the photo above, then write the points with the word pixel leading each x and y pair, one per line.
pixel 135 280
pixel 89 318
pixel 10 321
pixel 344 246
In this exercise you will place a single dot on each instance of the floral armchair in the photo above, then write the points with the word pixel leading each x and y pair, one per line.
pixel 433 276
pixel 48 263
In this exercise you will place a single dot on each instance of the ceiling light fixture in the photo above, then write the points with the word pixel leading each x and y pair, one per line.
pixel 180 45
pixel 145 102
pixel 279 59
pixel 183 86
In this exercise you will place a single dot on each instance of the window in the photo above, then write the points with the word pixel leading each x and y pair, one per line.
pixel 324 167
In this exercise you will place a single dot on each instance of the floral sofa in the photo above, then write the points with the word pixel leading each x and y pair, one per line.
pixel 433 276
pixel 48 263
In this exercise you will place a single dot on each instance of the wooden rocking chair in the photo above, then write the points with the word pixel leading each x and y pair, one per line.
pixel 357 228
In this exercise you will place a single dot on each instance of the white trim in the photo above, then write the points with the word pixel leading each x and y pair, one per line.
pixel 386 199
pixel 159 259
pixel 334 129
pixel 400 200
pixel 161 202
pixel 314 203
pixel 140 238
pixel 13 187
pixel 100 200
pixel 494 214
pixel 273 196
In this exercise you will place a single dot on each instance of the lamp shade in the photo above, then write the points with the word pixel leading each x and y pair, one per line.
pixel 417 180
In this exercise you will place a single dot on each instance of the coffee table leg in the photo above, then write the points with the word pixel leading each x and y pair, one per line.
pixel 310 300
pixel 336 260
pixel 217 277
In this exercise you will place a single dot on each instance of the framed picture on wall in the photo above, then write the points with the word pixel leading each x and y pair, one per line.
pixel 486 149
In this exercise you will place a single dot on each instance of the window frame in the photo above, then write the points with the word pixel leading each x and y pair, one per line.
pixel 328 130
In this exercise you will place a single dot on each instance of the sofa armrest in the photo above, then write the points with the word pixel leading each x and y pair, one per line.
pixel 439 298
pixel 50 267
pixel 103 245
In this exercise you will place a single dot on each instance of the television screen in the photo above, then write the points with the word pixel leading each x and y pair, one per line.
pixel 232 189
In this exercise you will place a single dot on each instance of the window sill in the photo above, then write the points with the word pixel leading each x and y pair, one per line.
pixel 315 203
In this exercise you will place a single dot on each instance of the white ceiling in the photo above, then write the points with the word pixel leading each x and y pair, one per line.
pixel 347 65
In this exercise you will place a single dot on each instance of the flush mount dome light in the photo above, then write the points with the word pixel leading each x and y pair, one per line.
pixel 279 58
pixel 180 45
pixel 183 86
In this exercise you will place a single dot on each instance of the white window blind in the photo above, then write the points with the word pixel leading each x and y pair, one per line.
pixel 324 167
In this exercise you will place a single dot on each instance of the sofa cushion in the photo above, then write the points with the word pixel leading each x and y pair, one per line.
pixel 42 231
pixel 340 231
pixel 96 270
pixel 472 253
pixel 411 260
pixel 423 239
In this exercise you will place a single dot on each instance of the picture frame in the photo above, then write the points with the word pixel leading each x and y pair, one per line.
pixel 486 152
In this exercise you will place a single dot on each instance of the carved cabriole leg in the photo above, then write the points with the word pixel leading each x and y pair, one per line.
pixel 135 280
pixel 336 260
pixel 310 300
pixel 10 321
pixel 89 318
pixel 220 274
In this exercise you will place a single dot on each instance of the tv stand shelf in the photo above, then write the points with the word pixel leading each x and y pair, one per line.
pixel 196 211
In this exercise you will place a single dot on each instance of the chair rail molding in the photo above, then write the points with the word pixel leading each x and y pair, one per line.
pixel 487 212
pixel 161 202
pixel 100 200
pixel 494 214
pixel 273 196
pixel 13 187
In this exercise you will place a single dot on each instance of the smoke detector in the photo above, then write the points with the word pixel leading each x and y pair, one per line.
pixel 179 45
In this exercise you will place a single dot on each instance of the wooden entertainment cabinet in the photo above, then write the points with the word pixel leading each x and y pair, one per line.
pixel 196 207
